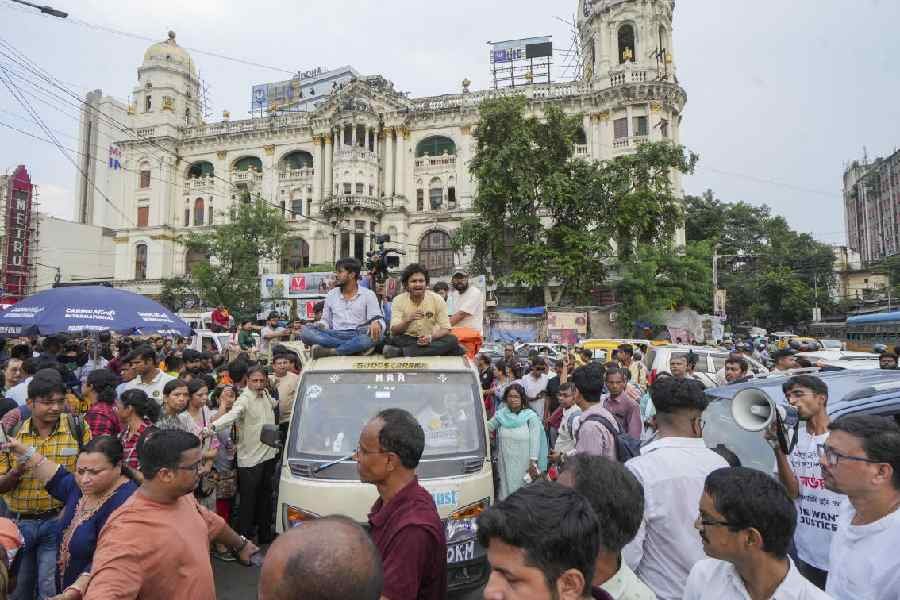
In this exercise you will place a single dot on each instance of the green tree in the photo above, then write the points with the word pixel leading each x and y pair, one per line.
pixel 546 220
pixel 254 232
pixel 657 279
pixel 774 275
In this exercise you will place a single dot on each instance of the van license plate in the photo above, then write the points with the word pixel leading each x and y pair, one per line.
pixel 461 552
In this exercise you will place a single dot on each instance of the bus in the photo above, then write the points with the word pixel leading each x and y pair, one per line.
pixel 865 331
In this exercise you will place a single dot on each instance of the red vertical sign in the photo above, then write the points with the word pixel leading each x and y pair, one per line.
pixel 16 267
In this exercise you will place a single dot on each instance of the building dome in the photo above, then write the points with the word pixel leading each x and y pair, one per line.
pixel 168 52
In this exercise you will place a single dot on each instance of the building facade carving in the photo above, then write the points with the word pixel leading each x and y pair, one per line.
pixel 367 161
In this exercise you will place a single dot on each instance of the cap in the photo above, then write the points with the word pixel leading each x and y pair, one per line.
pixel 461 271
pixel 190 355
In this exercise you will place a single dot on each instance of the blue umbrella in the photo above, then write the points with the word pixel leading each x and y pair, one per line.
pixel 87 309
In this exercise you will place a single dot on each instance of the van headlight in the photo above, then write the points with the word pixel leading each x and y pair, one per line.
pixel 291 516
pixel 461 523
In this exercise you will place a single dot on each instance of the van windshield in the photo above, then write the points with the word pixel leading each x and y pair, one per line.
pixel 334 407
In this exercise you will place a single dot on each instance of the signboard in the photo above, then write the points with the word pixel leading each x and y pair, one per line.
pixel 295 285
pixel 719 303
pixel 513 50
pixel 574 321
pixel 300 92
pixel 16 266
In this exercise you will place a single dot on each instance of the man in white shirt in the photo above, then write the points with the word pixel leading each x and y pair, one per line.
pixel 746 522
pixel 801 475
pixel 673 469
pixel 535 384
pixel 565 440
pixel 618 499
pixel 862 460
pixel 466 303
pixel 148 377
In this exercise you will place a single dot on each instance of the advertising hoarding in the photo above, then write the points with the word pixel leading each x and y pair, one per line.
pixel 16 263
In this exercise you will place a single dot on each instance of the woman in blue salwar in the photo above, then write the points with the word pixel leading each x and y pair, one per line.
pixel 100 485
pixel 521 441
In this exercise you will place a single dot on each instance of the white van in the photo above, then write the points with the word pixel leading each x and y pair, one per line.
pixel 335 399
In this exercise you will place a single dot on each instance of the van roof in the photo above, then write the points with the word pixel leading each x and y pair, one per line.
pixel 376 362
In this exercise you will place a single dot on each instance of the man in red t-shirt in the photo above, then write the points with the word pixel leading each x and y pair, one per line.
pixel 404 522
pixel 220 318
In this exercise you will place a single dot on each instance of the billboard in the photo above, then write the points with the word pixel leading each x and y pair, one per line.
pixel 527 48
pixel 16 263
pixel 300 92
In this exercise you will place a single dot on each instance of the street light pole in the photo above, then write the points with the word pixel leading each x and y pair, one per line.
pixel 47 10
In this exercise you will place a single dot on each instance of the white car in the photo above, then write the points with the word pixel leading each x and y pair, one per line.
pixel 842 359
pixel 709 361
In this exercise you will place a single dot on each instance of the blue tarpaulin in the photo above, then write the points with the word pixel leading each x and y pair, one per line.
pixel 533 311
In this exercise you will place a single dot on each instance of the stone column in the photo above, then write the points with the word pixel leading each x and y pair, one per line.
pixel 389 161
pixel 402 135
pixel 320 167
pixel 329 172
pixel 353 139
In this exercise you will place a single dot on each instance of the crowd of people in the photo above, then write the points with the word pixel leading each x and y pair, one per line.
pixel 127 465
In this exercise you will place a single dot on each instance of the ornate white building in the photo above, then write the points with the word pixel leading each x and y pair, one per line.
pixel 368 160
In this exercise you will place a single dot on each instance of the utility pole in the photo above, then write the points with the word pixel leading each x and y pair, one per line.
pixel 47 10
pixel 715 276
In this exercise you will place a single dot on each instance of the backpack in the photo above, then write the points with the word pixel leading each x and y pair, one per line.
pixel 76 428
pixel 626 446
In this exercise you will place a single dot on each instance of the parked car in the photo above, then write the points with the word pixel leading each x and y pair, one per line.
pixel 842 359
pixel 849 392
pixel 709 361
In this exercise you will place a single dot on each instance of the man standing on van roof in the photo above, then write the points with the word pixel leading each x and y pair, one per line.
pixel 352 321
pixel 404 522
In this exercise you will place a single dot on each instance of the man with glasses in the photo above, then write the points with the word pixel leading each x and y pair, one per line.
pixel 156 546
pixel 862 460
pixel 404 522
pixel 801 475
pixel 673 470
pixel 746 521
pixel 33 509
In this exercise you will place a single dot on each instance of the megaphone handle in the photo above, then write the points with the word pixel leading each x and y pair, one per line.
pixel 782 440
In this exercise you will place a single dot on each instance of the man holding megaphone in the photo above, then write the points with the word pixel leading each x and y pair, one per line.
pixel 801 473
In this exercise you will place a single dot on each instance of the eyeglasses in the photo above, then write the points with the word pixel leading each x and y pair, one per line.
pixel 710 523
pixel 191 467
pixel 60 402
pixel 833 457
pixel 361 450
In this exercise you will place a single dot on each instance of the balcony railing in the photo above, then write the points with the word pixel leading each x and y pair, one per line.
pixel 200 184
pixel 581 150
pixel 334 204
pixel 246 176
pixel 443 161
pixel 630 142
pixel 629 74
pixel 296 174
pixel 346 154
pixel 145 132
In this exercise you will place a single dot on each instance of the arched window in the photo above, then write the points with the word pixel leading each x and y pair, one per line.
pixel 199 211
pixel 294 255
pixel 193 258
pixel 435 146
pixel 435 194
pixel 580 137
pixel 627 51
pixel 297 160
pixel 244 164
pixel 140 262
pixel 201 169
pixel 435 253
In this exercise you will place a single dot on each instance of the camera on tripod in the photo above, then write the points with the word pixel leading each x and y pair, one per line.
pixel 380 261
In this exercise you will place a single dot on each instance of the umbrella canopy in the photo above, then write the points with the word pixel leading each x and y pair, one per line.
pixel 86 309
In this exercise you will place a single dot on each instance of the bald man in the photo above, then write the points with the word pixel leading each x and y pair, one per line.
pixel 326 559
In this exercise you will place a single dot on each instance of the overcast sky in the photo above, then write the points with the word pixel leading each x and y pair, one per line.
pixel 780 94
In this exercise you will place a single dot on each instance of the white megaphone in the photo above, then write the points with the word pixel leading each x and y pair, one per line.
pixel 753 410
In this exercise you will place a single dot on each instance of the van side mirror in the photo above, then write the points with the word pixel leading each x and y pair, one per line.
pixel 270 436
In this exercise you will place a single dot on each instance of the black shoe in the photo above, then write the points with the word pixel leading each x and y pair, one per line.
pixel 392 351
pixel 321 352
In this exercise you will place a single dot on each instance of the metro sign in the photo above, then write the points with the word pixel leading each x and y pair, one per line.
pixel 18 226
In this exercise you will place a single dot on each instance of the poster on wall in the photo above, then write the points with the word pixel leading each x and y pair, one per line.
pixel 574 321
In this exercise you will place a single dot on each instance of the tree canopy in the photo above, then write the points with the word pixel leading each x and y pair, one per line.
pixel 254 232
pixel 546 220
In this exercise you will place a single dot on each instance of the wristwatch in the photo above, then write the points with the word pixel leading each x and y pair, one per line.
pixel 244 542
